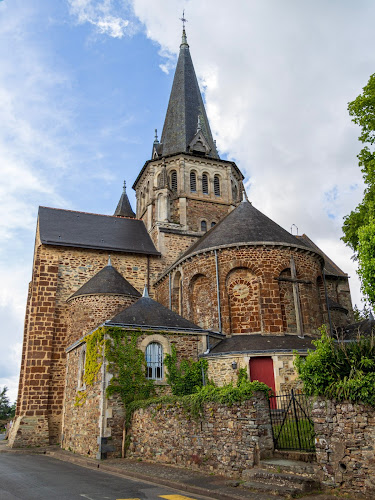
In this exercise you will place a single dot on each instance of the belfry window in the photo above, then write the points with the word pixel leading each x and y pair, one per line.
pixel 154 361
pixel 213 223
pixel 203 225
pixel 193 182
pixel 217 185
pixel 174 180
pixel 204 184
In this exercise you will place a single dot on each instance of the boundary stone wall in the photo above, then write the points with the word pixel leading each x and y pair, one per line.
pixel 227 440
pixel 345 443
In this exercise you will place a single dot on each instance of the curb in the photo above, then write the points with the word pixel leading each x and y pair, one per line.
pixel 157 480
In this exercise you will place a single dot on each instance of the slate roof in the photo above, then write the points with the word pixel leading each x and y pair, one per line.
pixel 124 208
pixel 102 232
pixel 107 281
pixel 350 332
pixel 261 343
pixel 148 312
pixel 185 105
pixel 330 268
pixel 245 224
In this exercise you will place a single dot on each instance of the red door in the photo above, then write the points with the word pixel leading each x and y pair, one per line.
pixel 261 368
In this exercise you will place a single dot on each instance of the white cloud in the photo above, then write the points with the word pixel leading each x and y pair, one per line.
pixel 100 14
pixel 277 79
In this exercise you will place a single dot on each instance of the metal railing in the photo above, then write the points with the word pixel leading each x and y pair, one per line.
pixel 292 426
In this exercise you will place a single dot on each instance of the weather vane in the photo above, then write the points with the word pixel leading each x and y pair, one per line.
pixel 183 19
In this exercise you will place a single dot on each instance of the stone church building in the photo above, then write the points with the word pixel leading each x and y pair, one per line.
pixel 197 267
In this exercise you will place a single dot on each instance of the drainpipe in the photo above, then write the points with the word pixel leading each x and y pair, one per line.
pixel 218 290
pixel 327 303
pixel 170 291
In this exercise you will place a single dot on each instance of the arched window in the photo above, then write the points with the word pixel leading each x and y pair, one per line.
pixel 193 182
pixel 217 185
pixel 213 223
pixel 154 361
pixel 203 225
pixel 174 180
pixel 205 184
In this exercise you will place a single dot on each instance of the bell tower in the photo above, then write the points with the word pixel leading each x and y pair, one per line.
pixel 185 188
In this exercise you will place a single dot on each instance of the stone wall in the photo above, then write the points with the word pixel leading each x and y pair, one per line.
pixel 221 372
pixel 88 311
pixel 345 443
pixel 250 297
pixel 226 441
pixel 57 273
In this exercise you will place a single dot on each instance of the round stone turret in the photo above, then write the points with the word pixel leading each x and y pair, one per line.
pixel 99 299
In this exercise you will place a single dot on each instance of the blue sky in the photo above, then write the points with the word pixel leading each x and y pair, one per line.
pixel 84 83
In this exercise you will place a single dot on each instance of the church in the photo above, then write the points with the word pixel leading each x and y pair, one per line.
pixel 197 268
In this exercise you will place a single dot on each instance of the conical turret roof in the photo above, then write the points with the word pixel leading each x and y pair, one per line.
pixel 124 208
pixel 107 281
pixel 245 224
pixel 186 116
pixel 148 312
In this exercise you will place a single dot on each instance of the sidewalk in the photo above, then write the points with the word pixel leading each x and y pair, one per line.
pixel 185 480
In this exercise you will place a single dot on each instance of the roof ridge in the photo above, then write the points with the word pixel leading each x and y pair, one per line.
pixel 89 213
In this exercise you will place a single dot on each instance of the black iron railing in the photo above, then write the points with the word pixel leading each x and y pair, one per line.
pixel 292 426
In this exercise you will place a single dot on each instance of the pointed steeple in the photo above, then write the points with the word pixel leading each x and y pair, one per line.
pixel 185 110
pixel 124 208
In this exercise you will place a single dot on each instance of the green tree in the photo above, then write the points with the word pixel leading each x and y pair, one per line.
pixel 359 225
pixel 6 409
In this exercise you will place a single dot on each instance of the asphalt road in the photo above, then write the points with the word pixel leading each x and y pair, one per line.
pixel 38 477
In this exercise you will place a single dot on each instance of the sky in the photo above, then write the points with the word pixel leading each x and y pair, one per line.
pixel 84 83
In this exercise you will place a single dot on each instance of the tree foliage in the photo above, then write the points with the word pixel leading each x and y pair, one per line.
pixel 340 370
pixel 359 225
pixel 7 410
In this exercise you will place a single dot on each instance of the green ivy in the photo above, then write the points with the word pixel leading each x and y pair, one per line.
pixel 127 364
pixel 340 370
pixel 193 404
pixel 184 377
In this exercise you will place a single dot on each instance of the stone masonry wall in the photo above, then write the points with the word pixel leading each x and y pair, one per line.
pixel 345 443
pixel 88 311
pixel 57 273
pixel 81 418
pixel 250 299
pixel 226 441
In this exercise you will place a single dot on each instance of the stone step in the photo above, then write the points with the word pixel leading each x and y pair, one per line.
pixel 278 482
pixel 287 466
pixel 272 489
pixel 302 456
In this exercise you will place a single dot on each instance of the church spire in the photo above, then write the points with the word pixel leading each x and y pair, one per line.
pixel 124 208
pixel 185 110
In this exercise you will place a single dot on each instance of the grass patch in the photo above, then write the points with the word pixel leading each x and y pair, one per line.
pixel 291 436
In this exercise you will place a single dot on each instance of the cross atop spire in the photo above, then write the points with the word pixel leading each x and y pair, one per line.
pixel 184 39
pixel 183 20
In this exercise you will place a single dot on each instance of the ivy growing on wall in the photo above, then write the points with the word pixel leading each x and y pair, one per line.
pixel 187 376
pixel 125 361
pixel 127 364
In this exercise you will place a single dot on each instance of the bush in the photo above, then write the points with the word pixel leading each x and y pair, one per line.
pixel 340 370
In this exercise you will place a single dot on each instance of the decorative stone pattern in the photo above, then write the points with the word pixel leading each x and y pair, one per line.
pixel 250 297
pixel 226 441
pixel 345 443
